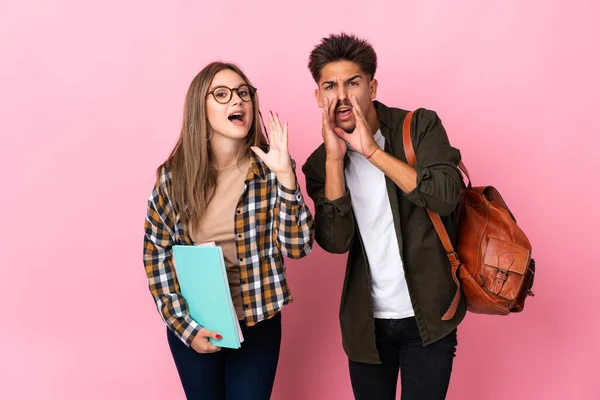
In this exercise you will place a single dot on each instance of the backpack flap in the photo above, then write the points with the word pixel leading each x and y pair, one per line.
pixel 504 267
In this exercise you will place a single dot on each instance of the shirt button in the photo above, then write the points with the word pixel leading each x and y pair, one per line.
pixel 246 306
pixel 241 260
pixel 239 211
pixel 240 236
pixel 243 282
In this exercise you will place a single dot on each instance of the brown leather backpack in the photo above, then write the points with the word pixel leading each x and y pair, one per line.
pixel 492 264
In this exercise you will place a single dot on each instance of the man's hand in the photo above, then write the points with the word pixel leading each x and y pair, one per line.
pixel 361 139
pixel 334 145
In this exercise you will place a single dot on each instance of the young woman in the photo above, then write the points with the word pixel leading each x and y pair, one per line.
pixel 222 183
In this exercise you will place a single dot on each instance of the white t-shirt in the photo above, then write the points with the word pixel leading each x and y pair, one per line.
pixel 373 213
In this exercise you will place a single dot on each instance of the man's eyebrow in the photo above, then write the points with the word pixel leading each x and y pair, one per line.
pixel 347 80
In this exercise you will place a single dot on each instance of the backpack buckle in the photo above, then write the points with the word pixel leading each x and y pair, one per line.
pixel 453 257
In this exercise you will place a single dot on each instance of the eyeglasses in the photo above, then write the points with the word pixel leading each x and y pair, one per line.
pixel 223 94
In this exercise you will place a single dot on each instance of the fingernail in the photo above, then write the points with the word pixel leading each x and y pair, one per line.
pixel 276 113
pixel 219 336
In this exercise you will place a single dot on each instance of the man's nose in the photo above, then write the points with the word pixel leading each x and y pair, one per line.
pixel 342 93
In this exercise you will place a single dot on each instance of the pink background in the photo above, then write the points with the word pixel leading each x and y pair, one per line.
pixel 91 100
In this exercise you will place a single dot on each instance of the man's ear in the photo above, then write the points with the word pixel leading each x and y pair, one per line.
pixel 373 89
pixel 318 97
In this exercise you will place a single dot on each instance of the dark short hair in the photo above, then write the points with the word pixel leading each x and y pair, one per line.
pixel 342 47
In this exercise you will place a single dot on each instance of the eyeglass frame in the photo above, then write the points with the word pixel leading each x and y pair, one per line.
pixel 231 90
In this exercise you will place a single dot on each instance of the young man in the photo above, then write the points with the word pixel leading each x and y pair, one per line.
pixel 370 202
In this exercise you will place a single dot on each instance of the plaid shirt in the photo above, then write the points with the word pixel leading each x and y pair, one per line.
pixel 270 222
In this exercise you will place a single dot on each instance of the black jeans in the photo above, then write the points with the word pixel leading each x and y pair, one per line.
pixel 245 373
pixel 425 371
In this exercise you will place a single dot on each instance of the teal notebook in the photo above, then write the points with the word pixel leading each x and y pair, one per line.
pixel 204 285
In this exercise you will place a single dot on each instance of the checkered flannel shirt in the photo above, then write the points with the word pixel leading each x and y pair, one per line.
pixel 271 221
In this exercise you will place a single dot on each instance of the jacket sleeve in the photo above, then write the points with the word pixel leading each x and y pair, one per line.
pixel 438 179
pixel 334 220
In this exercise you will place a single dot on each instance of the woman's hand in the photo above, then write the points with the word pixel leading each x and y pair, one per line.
pixel 278 158
pixel 201 343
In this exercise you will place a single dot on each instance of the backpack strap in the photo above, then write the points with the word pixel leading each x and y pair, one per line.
pixel 411 157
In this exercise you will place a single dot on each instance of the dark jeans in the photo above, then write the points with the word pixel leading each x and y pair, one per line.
pixel 425 371
pixel 245 373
